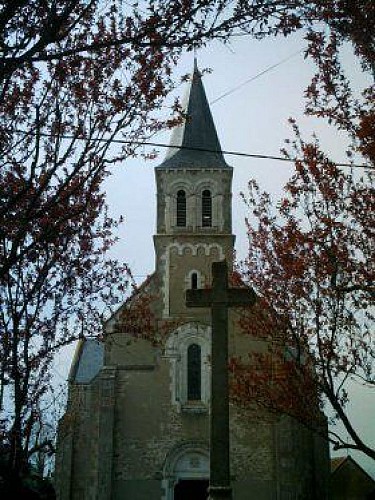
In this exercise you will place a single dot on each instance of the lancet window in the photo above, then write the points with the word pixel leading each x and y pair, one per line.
pixel 188 350
pixel 194 281
pixel 194 373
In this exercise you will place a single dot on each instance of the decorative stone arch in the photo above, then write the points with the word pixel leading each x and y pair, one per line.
pixel 188 460
pixel 176 351
pixel 207 247
pixel 177 184
pixel 179 248
pixel 200 279
pixel 206 183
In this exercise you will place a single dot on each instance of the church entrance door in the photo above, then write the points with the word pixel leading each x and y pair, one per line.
pixel 188 489
pixel 186 473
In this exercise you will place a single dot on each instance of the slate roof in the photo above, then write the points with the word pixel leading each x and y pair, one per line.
pixel 87 361
pixel 197 132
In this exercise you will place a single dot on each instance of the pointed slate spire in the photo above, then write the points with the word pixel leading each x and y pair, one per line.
pixel 197 132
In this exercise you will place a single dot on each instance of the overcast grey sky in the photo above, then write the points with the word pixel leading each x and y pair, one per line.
pixel 252 119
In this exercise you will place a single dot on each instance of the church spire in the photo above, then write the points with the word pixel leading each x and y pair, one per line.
pixel 197 132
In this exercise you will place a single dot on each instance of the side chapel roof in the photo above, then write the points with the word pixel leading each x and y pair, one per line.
pixel 196 136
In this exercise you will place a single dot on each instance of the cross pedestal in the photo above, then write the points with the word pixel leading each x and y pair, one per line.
pixel 218 299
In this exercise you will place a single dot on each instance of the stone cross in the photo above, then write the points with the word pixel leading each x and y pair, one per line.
pixel 219 298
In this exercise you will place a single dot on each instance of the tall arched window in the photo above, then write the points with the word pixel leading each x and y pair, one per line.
pixel 181 208
pixel 194 281
pixel 194 374
pixel 206 208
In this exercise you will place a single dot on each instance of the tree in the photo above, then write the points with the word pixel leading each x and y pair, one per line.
pixel 75 76
pixel 62 73
pixel 311 261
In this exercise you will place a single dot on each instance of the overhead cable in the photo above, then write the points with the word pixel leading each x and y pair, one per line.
pixel 189 148
pixel 269 68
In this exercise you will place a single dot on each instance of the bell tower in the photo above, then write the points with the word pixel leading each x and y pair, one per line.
pixel 194 219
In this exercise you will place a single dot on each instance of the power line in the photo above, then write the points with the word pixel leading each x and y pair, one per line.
pixel 204 150
pixel 188 148
pixel 269 68
pixel 231 153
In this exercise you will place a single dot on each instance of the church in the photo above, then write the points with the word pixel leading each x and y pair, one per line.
pixel 136 426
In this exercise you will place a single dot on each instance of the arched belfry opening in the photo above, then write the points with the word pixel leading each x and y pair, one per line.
pixel 206 208
pixel 181 208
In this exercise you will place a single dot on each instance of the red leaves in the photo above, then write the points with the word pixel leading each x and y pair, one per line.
pixel 311 262
pixel 138 317
pixel 366 129
pixel 311 258
pixel 279 384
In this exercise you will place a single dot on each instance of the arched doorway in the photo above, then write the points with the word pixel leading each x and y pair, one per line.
pixel 186 473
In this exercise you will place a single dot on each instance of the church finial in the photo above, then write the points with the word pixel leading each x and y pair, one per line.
pixel 195 60
pixel 196 72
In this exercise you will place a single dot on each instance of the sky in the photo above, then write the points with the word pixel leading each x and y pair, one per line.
pixel 252 119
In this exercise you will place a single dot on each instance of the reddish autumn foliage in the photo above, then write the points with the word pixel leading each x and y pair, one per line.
pixel 138 316
pixel 75 75
pixel 67 89
pixel 311 261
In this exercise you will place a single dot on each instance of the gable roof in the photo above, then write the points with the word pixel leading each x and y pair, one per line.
pixel 137 292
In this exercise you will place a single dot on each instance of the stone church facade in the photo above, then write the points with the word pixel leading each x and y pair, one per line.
pixel 136 425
